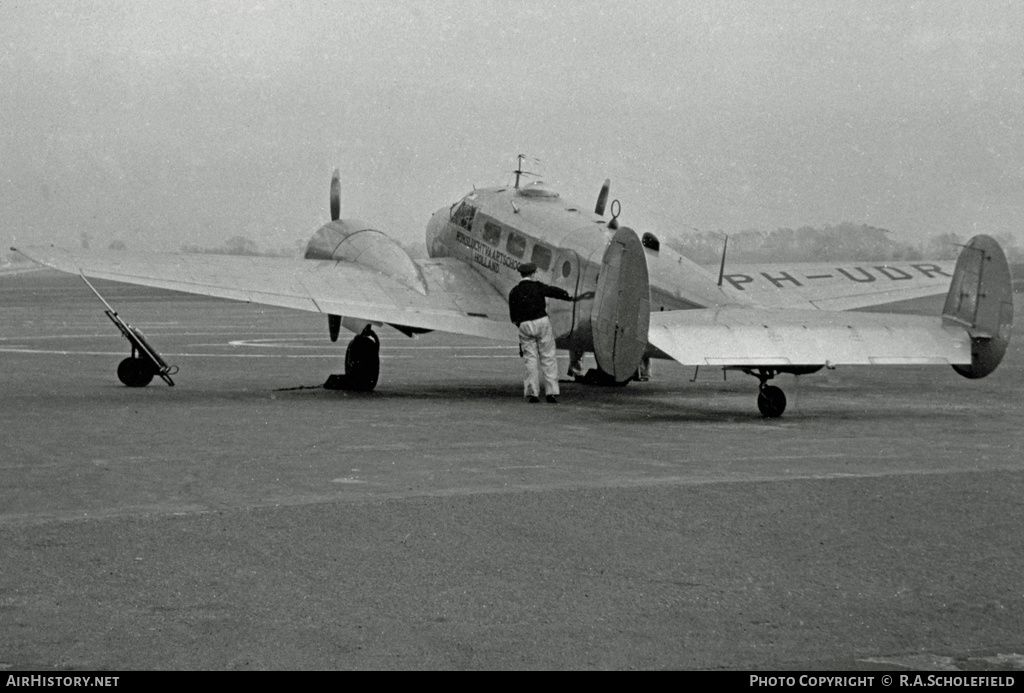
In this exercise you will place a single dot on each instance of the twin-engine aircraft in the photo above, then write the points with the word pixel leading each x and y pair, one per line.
pixel 636 298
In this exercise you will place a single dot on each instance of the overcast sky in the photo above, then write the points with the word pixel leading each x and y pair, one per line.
pixel 164 123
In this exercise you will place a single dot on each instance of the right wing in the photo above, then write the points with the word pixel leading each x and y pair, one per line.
pixel 972 334
pixel 458 299
pixel 760 337
pixel 838 286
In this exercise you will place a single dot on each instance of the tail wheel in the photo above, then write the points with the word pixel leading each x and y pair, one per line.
pixel 771 401
pixel 135 372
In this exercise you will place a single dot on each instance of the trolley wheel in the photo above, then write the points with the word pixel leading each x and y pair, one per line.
pixel 135 372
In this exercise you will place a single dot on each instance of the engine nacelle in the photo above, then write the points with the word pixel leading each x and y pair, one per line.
pixel 352 240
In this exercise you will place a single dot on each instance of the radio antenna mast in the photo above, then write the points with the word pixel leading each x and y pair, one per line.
pixel 519 169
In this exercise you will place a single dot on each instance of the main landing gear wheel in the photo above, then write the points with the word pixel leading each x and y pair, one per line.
pixel 135 372
pixel 362 361
pixel 771 401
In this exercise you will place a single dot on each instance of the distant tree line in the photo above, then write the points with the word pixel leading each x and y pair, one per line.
pixel 243 245
pixel 841 243
pixel 236 245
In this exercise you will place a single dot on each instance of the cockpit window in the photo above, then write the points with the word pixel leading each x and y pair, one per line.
pixel 541 257
pixel 516 244
pixel 463 216
pixel 492 233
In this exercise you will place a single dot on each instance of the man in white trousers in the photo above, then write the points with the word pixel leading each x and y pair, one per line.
pixel 528 309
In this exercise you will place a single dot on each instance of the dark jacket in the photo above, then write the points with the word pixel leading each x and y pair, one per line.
pixel 526 300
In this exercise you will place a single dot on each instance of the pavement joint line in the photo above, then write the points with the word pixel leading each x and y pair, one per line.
pixel 22 519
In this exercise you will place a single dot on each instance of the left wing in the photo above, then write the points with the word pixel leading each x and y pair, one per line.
pixel 763 337
pixel 457 299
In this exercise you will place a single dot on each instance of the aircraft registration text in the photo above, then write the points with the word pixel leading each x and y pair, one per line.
pixel 783 279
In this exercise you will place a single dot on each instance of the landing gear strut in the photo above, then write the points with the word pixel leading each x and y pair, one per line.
pixel 771 400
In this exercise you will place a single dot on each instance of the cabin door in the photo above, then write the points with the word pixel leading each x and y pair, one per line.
pixel 565 274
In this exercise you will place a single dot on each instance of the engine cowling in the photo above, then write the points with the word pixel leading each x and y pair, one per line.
pixel 352 240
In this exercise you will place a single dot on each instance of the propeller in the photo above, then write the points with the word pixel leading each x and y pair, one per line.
pixel 335 195
pixel 602 197
pixel 334 321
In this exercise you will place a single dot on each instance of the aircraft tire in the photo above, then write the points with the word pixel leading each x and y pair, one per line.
pixel 135 372
pixel 771 401
pixel 362 361
pixel 595 376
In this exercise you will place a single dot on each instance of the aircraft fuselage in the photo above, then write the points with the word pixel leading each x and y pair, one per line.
pixel 497 229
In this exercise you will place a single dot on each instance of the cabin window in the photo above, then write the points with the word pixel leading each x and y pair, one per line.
pixel 463 216
pixel 492 233
pixel 566 268
pixel 515 245
pixel 541 257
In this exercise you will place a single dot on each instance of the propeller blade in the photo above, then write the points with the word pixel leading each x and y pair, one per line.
pixel 336 195
pixel 602 198
pixel 334 326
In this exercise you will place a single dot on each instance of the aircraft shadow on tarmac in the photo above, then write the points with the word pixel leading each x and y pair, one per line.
pixel 648 403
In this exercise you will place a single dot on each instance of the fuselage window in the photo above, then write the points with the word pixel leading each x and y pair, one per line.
pixel 492 233
pixel 463 216
pixel 541 257
pixel 515 245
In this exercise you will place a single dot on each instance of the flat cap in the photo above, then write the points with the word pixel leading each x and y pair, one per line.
pixel 527 268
